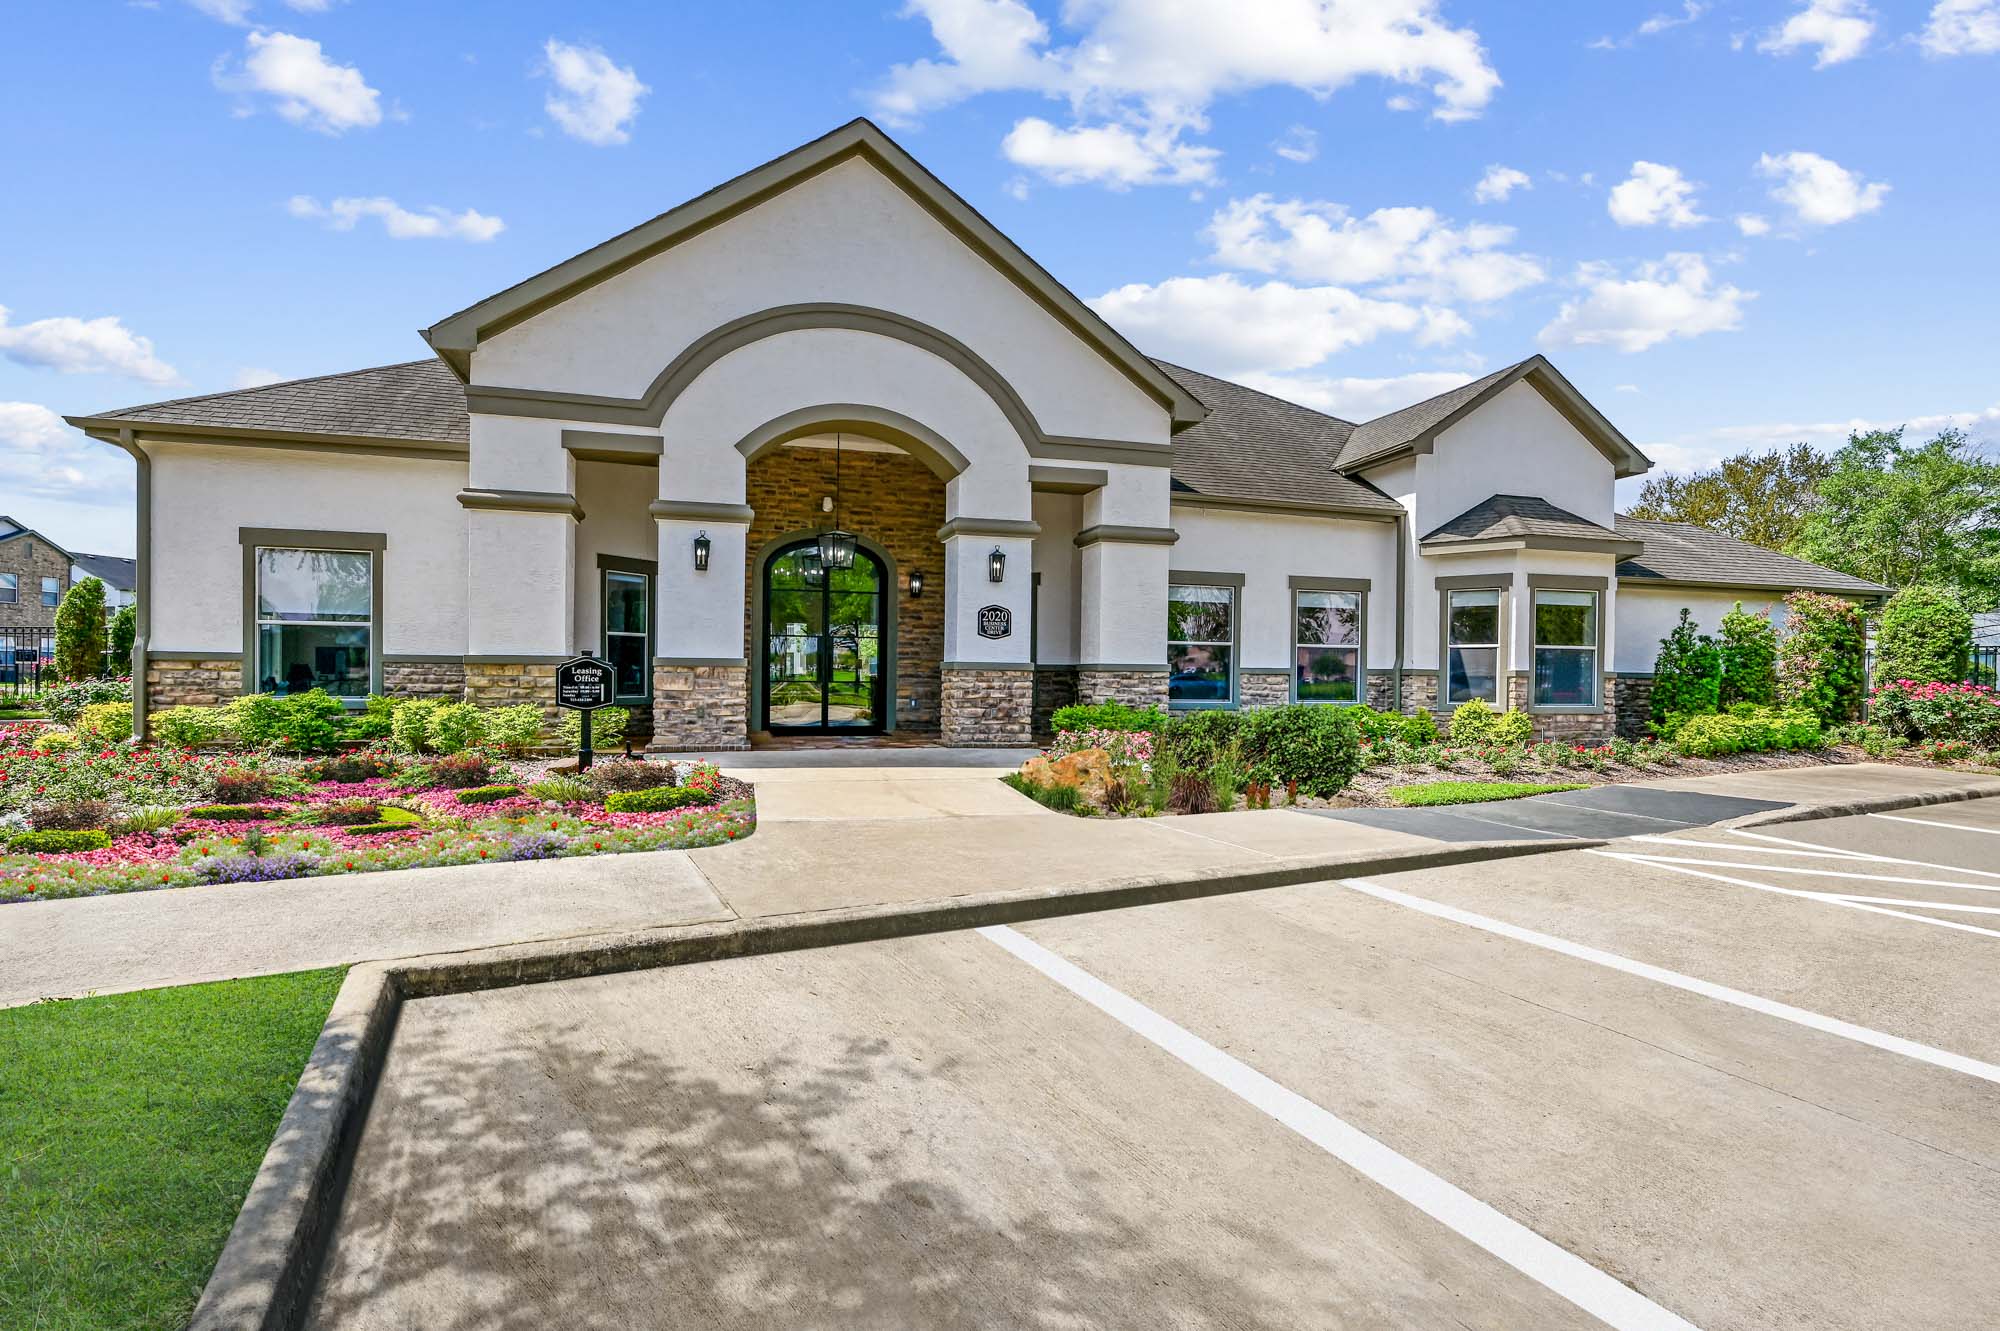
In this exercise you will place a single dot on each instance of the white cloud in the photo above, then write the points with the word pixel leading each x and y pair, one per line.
pixel 1106 154
pixel 1653 195
pixel 1499 182
pixel 1818 190
pixel 307 88
pixel 1839 29
pixel 82 346
pixel 236 12
pixel 42 459
pixel 1409 251
pixel 594 99
pixel 1672 298
pixel 1704 448
pixel 252 376
pixel 1153 70
pixel 1753 224
pixel 1297 144
pixel 1226 326
pixel 1963 27
pixel 310 6
pixel 1654 26
pixel 433 223
pixel 1625 388
pixel 1356 399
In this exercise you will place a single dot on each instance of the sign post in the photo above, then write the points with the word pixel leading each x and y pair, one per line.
pixel 583 684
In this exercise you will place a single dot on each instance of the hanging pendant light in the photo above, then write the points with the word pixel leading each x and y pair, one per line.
pixel 810 567
pixel 836 547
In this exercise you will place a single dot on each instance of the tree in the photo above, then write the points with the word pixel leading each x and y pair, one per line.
pixel 1756 497
pixel 80 631
pixel 1925 637
pixel 1822 662
pixel 1687 674
pixel 1749 658
pixel 124 632
pixel 1903 514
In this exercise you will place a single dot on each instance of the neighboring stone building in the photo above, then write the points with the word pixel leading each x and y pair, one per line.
pixel 822 451
pixel 34 573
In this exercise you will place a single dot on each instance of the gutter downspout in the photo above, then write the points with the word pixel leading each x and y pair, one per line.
pixel 142 579
pixel 1402 594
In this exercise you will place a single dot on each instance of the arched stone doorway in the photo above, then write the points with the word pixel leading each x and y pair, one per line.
pixel 826 646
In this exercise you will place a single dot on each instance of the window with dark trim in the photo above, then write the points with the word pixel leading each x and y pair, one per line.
pixel 10 588
pixel 1326 646
pixel 628 633
pixel 1201 645
pixel 1472 645
pixel 51 591
pixel 315 620
pixel 1566 669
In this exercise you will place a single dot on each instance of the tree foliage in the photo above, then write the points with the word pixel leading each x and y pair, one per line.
pixel 1902 514
pixel 1749 658
pixel 124 632
pixel 1925 637
pixel 80 631
pixel 1687 674
pixel 1756 497
pixel 1822 664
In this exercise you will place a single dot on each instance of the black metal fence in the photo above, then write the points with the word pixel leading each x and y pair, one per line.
pixel 24 655
pixel 1985 665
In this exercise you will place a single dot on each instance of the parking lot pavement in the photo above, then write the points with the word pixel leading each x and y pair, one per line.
pixel 1381 1103
pixel 1601 811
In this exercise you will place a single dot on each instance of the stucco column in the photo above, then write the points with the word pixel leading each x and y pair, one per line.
pixel 520 554
pixel 988 682
pixel 701 680
pixel 1122 589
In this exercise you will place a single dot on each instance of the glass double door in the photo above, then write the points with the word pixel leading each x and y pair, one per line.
pixel 822 645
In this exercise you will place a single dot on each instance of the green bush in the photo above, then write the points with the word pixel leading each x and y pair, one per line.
pixel 1821 656
pixel 190 727
pixel 657 800
pixel 54 842
pixel 306 722
pixel 410 724
pixel 1063 799
pixel 1749 658
pixel 455 726
pixel 349 813
pixel 147 818
pixel 124 632
pixel 105 723
pixel 372 723
pixel 80 631
pixel 1107 716
pixel 1377 727
pixel 1420 727
pixel 1511 727
pixel 564 790
pixel 69 815
pixel 231 813
pixel 1687 673
pixel 1471 723
pixel 394 819
pixel 514 730
pixel 606 725
pixel 1317 746
pixel 1196 741
pixel 487 794
pixel 459 771
pixel 1925 637
pixel 66 703
pixel 1747 730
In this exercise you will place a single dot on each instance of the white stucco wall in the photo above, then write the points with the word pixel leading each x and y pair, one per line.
pixel 847 235
pixel 1271 549
pixel 614 498
pixel 1059 564
pixel 1647 614
pixel 202 495
pixel 1515 444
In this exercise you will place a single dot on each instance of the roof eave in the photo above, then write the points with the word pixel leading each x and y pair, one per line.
pixel 109 429
pixel 1447 547
pixel 1388 513
pixel 1876 591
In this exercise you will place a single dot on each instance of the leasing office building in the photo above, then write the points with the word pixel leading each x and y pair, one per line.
pixel 821 450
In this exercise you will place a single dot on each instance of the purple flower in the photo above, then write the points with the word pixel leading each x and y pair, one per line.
pixel 534 846
pixel 254 868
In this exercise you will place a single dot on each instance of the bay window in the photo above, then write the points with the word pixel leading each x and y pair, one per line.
pixel 1568 641
pixel 313 603
pixel 1201 641
pixel 1326 641
pixel 1472 629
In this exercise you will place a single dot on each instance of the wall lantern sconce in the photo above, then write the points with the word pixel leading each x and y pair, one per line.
pixel 916 583
pixel 996 565
pixel 701 547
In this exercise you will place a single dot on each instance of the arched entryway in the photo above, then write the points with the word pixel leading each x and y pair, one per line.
pixel 826 643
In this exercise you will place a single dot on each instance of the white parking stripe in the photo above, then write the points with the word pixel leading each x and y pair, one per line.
pixel 1846 1030
pixel 1932 822
pixel 1553 1267
pixel 1828 854
pixel 1864 855
pixel 1818 873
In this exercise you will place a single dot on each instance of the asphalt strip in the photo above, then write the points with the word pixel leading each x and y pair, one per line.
pixel 1555 1268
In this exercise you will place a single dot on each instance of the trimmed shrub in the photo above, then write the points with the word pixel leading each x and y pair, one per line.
pixel 1472 722
pixel 455 727
pixel 80 630
pixel 1376 727
pixel 1822 666
pixel 1925 638
pixel 105 723
pixel 242 785
pixel 68 815
pixel 56 741
pixel 606 725
pixel 354 765
pixel 55 842
pixel 393 820
pixel 1317 747
pixel 410 724
pixel 1687 674
pixel 630 774
pixel 487 794
pixel 656 800
pixel 462 770
pixel 190 727
pixel 350 813
pixel 514 730
pixel 1747 730
pixel 372 723
pixel 1749 658
pixel 1420 727
pixel 308 722
pixel 232 813
pixel 1511 727
pixel 1196 741
pixel 1107 715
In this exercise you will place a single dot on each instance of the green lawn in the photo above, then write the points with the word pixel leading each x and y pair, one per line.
pixel 130 1128
pixel 1470 792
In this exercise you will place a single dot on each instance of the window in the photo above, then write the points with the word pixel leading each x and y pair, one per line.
pixel 1472 645
pixel 10 588
pixel 1201 641
pixel 315 620
pixel 1565 648
pixel 628 618
pixel 51 591
pixel 1326 646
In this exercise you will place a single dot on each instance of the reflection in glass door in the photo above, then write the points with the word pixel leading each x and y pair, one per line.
pixel 822 645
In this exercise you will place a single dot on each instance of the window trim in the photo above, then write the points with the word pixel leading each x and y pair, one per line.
pixel 650 570
pixel 1234 583
pixel 1360 587
pixel 1566 582
pixel 375 544
pixel 10 595
pixel 1501 583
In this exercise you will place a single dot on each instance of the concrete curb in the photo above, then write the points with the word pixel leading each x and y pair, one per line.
pixel 1806 813
pixel 265 1278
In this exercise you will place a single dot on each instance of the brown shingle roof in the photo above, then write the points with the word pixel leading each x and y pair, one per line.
pixel 416 400
pixel 1385 434
pixel 1683 552
pixel 1257 447
pixel 1519 517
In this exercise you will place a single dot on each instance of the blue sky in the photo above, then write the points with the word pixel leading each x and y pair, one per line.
pixel 1731 224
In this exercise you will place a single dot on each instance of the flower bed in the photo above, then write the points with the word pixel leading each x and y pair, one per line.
pixel 303 827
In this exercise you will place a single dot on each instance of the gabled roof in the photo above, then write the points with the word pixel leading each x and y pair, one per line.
pixel 457 336
pixel 1262 449
pixel 1680 553
pixel 12 527
pixel 1416 427
pixel 417 401
pixel 111 570
pixel 1527 520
